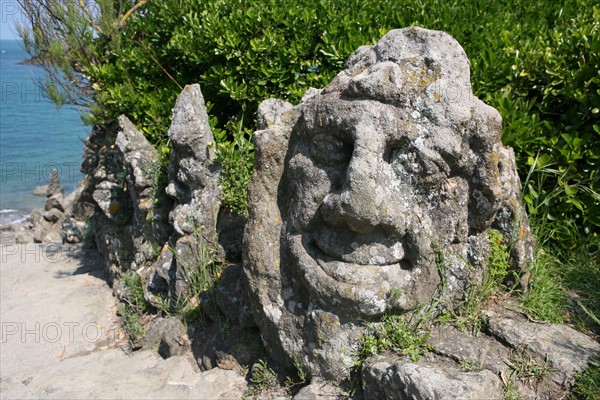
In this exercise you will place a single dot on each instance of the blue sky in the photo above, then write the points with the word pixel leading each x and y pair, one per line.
pixel 9 13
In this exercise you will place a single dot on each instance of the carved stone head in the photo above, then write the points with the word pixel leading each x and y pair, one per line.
pixel 359 188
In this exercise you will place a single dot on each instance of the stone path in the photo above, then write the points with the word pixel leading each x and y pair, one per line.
pixel 60 337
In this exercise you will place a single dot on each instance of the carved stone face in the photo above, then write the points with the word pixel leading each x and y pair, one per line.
pixel 359 188
pixel 357 234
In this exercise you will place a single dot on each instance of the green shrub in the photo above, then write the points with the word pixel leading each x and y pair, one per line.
pixel 236 158
pixel 536 61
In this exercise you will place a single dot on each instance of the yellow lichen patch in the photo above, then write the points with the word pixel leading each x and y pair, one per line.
pixel 522 231
pixel 437 96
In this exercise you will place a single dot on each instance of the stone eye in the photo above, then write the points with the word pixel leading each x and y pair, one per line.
pixel 330 150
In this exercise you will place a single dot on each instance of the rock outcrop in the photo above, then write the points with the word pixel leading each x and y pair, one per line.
pixel 359 187
pixel 539 360
pixel 46 225
pixel 193 187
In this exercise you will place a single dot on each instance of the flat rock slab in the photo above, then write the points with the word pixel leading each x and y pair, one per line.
pixel 389 377
pixel 567 350
pixel 480 351
pixel 320 390
pixel 61 339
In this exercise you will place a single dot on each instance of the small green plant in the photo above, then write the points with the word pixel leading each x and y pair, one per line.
pixel 133 306
pixel 263 379
pixel 467 315
pixel 204 272
pixel 526 368
pixel 498 262
pixel 301 375
pixel 587 383
pixel 394 333
pixel 157 170
pixel 470 366
pixel 132 322
pixel 511 391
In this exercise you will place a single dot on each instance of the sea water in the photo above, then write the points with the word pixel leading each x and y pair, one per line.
pixel 35 136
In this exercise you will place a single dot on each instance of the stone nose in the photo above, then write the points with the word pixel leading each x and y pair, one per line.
pixel 361 203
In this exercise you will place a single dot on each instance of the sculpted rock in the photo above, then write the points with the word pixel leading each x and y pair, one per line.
pixel 357 189
pixel 138 154
pixel 54 187
pixel 194 189
pixel 141 161
pixel 193 173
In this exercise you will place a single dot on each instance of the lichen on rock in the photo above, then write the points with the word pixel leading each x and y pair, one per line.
pixel 356 189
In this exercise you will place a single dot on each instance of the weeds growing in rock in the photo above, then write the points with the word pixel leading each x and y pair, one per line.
pixel 511 390
pixel 133 306
pixel 468 316
pixel 263 379
pixel 469 366
pixel 396 334
pixel 201 275
pixel 300 378
pixel 545 299
pixel 526 368
pixel 157 170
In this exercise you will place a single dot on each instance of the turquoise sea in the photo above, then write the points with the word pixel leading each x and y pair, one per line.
pixel 35 137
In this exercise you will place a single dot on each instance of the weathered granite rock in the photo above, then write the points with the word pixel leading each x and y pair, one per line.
pixel 54 202
pixel 484 351
pixel 481 351
pixel 320 390
pixel 168 336
pixel 149 216
pixel 566 350
pixel 139 155
pixel 43 226
pixel 356 188
pixel 227 292
pixel 195 192
pixel 193 172
pixel 385 377
pixel 53 215
pixel 113 200
pixel 54 187
pixel 23 235
pixel 54 193
pixel 72 230
pixel 40 190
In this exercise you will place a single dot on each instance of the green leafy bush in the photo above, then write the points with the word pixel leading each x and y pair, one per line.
pixel 236 158
pixel 536 61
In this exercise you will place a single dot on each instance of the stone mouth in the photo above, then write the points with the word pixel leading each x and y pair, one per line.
pixel 345 246
pixel 352 272
pixel 364 289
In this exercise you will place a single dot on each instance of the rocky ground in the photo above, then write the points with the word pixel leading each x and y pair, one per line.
pixel 61 338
